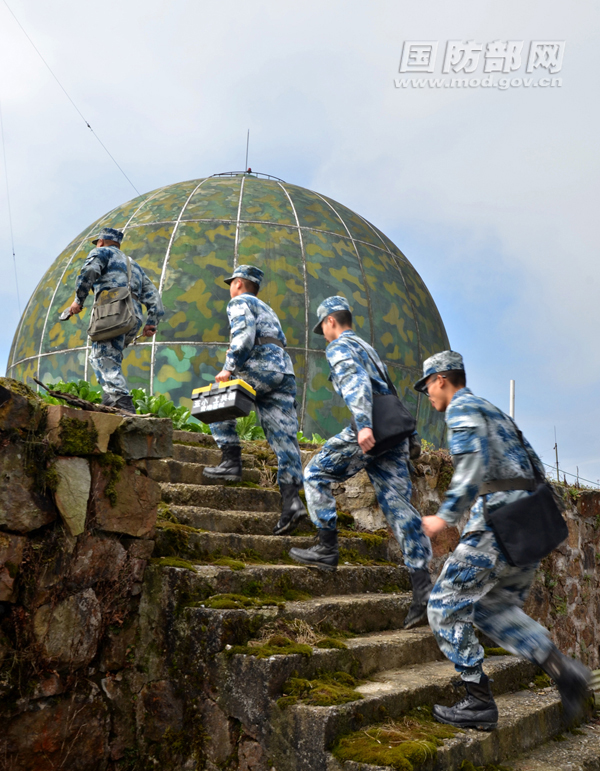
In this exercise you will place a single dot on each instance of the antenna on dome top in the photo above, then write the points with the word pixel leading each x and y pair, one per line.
pixel 247 145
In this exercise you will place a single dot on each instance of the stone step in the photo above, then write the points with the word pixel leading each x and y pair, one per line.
pixel 206 580
pixel 172 541
pixel 218 521
pixel 193 437
pixel 388 695
pixel 205 456
pixel 175 471
pixel 226 497
pixel 526 719
pixel 574 752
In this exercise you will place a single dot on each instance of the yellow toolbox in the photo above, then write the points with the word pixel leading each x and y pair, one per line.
pixel 223 401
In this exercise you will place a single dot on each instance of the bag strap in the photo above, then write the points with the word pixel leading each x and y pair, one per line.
pixel 384 375
pixel 536 474
pixel 128 272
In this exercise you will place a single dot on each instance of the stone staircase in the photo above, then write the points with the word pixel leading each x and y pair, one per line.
pixel 297 669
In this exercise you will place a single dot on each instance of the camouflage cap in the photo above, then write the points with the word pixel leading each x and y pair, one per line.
pixel 249 272
pixel 330 305
pixel 109 234
pixel 439 362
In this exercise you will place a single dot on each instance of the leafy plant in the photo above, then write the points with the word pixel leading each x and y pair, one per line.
pixel 161 406
pixel 316 438
pixel 80 388
pixel 248 428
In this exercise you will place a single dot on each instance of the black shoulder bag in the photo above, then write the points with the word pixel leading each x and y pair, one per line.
pixel 392 422
pixel 528 529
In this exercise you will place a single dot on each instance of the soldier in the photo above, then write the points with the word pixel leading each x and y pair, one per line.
pixel 257 355
pixel 477 586
pixel 106 268
pixel 355 378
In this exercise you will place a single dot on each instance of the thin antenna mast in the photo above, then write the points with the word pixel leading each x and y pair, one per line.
pixel 556 451
pixel 12 236
pixel 247 146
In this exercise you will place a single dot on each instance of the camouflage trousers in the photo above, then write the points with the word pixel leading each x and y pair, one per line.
pixel 276 413
pixel 478 588
pixel 106 359
pixel 342 458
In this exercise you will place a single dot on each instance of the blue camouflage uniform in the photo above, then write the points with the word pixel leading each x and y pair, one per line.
pixel 267 367
pixel 355 379
pixel 106 268
pixel 477 586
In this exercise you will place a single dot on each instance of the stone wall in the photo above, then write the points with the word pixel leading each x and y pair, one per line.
pixel 77 520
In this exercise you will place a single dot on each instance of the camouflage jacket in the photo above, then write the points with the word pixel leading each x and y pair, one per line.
pixel 250 318
pixel 354 376
pixel 485 447
pixel 106 268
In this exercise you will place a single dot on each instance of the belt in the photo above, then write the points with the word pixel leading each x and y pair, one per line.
pixel 506 485
pixel 269 340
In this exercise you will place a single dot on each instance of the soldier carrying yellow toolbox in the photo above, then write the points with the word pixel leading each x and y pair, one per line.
pixel 257 355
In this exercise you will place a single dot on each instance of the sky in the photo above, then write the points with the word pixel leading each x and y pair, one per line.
pixel 491 192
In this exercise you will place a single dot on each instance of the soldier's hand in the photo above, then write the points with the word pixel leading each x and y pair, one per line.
pixel 75 307
pixel 433 525
pixel 149 330
pixel 366 440
pixel 223 376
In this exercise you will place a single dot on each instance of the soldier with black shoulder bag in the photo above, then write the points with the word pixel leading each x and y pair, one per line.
pixel 514 522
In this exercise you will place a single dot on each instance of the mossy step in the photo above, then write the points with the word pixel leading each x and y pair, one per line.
pixel 221 497
pixel 358 613
pixel 218 521
pixel 184 542
pixel 205 456
pixel 176 471
pixel 389 695
pixel 204 580
pixel 360 656
pixel 570 751
pixel 526 719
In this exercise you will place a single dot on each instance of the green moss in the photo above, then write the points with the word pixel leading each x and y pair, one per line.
pixel 495 651
pixel 231 601
pixel 277 645
pixel 324 691
pixel 112 466
pixel 353 557
pixel 559 738
pixel 330 642
pixel 391 589
pixel 372 540
pixel 345 520
pixel 542 681
pixel 403 745
pixel 77 437
pixel 173 562
pixel 228 562
pixel 445 475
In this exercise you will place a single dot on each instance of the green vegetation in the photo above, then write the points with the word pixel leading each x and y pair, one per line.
pixel 77 437
pixel 80 388
pixel 248 428
pixel 161 406
pixel 315 439
pixel 353 557
pixel 277 645
pixel 233 601
pixel 228 562
pixel 111 465
pixel 330 642
pixel 495 651
pixel 173 562
pixel 404 744
pixel 324 691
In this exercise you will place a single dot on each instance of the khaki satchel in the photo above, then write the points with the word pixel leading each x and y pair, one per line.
pixel 113 313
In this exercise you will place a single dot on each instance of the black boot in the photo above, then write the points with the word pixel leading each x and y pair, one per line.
pixel 572 679
pixel 421 586
pixel 292 509
pixel 324 555
pixel 125 404
pixel 230 467
pixel 478 710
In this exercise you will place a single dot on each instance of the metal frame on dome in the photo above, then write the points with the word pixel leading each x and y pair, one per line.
pixel 258 174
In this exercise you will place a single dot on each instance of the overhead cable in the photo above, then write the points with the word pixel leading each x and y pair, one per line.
pixel 12 237
pixel 84 119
